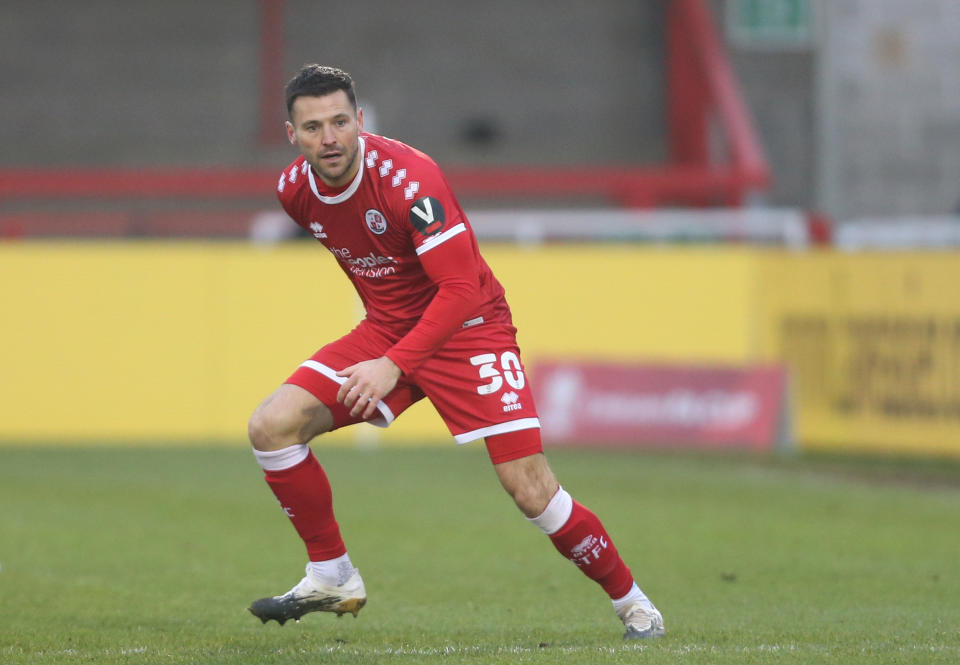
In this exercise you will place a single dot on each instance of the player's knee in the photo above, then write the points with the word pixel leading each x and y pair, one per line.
pixel 289 417
pixel 526 500
pixel 531 488
pixel 259 430
pixel 531 500
pixel 269 430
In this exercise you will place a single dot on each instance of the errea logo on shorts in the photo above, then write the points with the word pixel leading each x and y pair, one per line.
pixel 511 401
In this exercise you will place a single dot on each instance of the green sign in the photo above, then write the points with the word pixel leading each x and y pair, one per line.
pixel 770 23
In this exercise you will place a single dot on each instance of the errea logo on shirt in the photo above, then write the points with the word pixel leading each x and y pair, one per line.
pixel 317 229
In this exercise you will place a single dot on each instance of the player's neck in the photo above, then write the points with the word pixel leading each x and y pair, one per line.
pixel 343 181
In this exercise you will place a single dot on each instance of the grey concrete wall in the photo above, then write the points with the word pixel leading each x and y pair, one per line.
pixel 777 87
pixel 559 81
pixel 889 107
pixel 778 84
pixel 110 82
pixel 865 122
pixel 107 82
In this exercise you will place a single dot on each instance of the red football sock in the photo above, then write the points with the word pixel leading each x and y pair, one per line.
pixel 304 493
pixel 583 540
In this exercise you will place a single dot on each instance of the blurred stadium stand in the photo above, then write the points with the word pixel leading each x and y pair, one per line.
pixel 173 127
pixel 116 114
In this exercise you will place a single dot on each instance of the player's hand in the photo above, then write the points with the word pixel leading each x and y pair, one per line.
pixel 367 383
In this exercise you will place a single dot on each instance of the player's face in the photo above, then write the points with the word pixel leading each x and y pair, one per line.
pixel 327 131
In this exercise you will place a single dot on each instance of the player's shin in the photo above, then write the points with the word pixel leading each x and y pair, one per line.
pixel 303 490
pixel 580 537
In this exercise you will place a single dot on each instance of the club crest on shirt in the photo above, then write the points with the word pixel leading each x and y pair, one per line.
pixel 376 222
pixel 427 216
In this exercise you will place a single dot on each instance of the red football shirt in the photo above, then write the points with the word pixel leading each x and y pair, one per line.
pixel 400 235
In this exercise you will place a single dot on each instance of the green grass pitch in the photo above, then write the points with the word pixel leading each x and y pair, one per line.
pixel 152 554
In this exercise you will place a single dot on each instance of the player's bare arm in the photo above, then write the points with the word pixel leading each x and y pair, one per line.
pixel 367 383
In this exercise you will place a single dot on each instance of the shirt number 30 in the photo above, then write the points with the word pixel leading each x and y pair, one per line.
pixel 510 370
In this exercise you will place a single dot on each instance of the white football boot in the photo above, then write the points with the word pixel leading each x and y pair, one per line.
pixel 310 595
pixel 641 622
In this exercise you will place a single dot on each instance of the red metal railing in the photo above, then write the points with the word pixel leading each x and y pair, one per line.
pixel 701 81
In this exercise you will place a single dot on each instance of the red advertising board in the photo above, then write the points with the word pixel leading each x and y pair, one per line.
pixel 583 403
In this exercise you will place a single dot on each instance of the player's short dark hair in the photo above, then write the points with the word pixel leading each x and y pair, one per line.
pixel 316 81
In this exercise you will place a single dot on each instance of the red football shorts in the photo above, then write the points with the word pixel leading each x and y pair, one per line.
pixel 476 382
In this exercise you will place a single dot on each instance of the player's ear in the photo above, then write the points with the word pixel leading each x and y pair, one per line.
pixel 360 119
pixel 291 135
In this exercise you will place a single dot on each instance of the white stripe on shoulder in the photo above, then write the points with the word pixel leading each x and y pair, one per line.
pixel 441 238
pixel 349 191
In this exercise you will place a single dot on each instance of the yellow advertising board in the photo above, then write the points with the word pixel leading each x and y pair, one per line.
pixel 872 342
pixel 171 341
pixel 132 341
